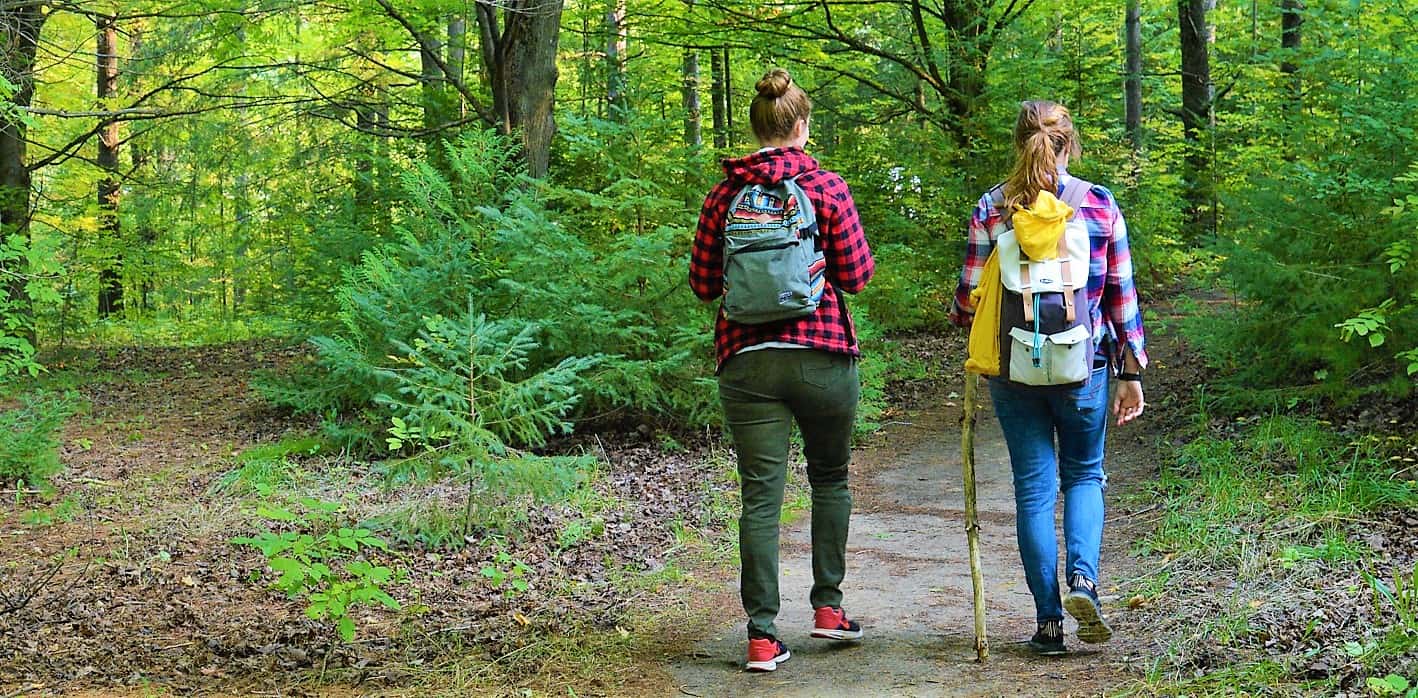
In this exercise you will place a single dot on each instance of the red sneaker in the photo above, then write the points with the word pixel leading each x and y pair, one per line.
pixel 832 624
pixel 766 653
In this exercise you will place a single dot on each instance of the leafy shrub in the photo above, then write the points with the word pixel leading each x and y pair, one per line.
pixel 29 453
pixel 305 556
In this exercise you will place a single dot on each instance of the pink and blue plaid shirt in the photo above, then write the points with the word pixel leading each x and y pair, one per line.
pixel 1110 286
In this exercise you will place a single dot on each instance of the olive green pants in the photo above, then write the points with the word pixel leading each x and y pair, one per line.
pixel 763 393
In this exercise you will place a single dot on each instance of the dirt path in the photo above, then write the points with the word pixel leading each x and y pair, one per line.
pixel 908 584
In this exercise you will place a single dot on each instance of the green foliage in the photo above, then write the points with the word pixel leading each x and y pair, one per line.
pixel 16 319
pixel 1317 221
pixel 1226 496
pixel 29 453
pixel 66 510
pixel 268 465
pixel 326 564
pixel 471 331
pixel 507 573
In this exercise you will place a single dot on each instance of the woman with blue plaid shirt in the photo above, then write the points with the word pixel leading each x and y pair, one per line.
pixel 1031 418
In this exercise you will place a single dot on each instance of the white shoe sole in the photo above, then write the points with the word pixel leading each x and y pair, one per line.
pixel 825 634
pixel 1091 626
pixel 770 665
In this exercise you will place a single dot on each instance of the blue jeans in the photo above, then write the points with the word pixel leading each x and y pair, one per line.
pixel 1030 420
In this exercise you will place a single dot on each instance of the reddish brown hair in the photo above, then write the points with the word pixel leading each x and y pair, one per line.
pixel 779 106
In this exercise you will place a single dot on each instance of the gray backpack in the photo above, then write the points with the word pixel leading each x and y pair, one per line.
pixel 773 263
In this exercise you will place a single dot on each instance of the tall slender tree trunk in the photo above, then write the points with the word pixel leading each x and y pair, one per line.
pixel 729 132
pixel 693 132
pixel 617 41
pixel 1132 84
pixel 1197 116
pixel 110 293
pixel 140 152
pixel 491 45
pixel 717 100
pixel 435 115
pixel 1291 20
pixel 20 26
pixel 457 58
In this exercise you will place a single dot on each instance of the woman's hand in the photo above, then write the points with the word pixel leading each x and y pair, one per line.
pixel 1127 401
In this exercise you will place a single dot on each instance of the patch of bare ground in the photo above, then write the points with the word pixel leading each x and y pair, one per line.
pixel 138 589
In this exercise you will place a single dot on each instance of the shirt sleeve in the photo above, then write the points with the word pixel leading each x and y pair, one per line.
pixel 849 260
pixel 978 245
pixel 1120 294
pixel 706 259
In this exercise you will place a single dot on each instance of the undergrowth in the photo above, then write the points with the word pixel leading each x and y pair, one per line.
pixel 1268 582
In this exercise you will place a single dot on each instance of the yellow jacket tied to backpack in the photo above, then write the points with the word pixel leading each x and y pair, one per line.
pixel 1038 229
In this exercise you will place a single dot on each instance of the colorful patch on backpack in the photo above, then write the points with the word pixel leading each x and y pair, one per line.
pixel 817 271
pixel 760 209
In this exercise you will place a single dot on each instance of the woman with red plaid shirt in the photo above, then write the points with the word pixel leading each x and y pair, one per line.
pixel 799 370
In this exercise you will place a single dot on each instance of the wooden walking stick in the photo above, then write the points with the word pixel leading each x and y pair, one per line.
pixel 972 521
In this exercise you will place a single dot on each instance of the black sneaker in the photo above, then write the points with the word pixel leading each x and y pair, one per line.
pixel 1048 641
pixel 1081 602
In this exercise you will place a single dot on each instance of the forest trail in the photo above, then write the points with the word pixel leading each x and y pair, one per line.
pixel 908 582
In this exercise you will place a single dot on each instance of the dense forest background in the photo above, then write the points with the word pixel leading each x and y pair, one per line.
pixel 201 170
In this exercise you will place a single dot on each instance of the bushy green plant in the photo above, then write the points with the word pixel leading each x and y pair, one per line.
pixel 29 452
pixel 488 292
pixel 326 564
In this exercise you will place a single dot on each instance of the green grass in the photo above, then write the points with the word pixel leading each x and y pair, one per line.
pixel 1286 488
pixel 1273 501
pixel 267 466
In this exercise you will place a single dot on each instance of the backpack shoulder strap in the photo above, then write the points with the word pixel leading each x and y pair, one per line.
pixel 997 198
pixel 1074 193
pixel 805 207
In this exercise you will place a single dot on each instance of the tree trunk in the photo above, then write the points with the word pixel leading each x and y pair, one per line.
pixel 716 98
pixel 1132 84
pixel 140 153
pixel 20 25
pixel 493 62
pixel 729 139
pixel 693 132
pixel 967 60
pixel 458 55
pixel 617 40
pixel 1291 20
pixel 435 115
pixel 531 78
pixel 457 46
pixel 1197 97
pixel 110 293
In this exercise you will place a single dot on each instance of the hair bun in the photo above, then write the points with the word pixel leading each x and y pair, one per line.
pixel 774 83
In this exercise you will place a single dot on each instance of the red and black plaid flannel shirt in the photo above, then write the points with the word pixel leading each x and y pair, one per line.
pixel 849 261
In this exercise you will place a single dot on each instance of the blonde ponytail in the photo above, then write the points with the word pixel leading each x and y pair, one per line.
pixel 1042 133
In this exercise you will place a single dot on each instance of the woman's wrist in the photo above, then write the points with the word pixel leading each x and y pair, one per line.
pixel 1131 376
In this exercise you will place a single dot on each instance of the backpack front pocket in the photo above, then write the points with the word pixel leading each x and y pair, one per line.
pixel 1050 359
pixel 770 281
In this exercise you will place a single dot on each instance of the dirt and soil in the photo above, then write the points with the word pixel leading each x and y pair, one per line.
pixel 149 596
